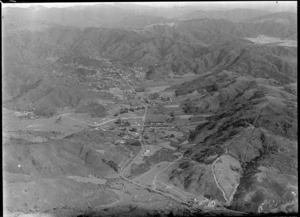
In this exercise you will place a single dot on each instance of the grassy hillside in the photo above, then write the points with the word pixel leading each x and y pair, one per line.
pixel 47 167
pixel 255 122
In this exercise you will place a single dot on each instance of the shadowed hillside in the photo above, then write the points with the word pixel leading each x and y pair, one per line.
pixel 254 121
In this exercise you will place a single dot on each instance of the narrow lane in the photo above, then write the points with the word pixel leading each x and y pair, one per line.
pixel 141 141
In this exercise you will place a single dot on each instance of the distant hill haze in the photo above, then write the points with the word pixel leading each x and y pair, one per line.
pixel 161 46
pixel 82 17
pixel 238 14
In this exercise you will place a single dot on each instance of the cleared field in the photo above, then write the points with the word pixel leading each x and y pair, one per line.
pixel 167 145
pixel 139 197
pixel 22 214
pixel 266 40
pixel 185 116
pixel 157 89
pixel 161 181
pixel 93 180
pixel 101 151
pixel 171 106
pixel 60 193
pixel 162 155
pixel 42 124
pixel 150 176
pixel 174 190
pixel 82 118
pixel 130 194
pixel 227 174
pixel 170 81
pixel 167 94
pixel 152 149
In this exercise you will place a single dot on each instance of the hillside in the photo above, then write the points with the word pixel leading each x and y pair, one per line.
pixel 255 122
pixel 186 47
pixel 195 46
pixel 49 167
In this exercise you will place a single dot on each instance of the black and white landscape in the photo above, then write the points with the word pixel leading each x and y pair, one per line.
pixel 132 109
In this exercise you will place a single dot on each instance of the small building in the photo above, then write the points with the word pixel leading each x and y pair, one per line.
pixel 211 203
pixel 146 153
pixel 126 137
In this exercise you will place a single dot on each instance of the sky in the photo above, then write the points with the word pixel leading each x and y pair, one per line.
pixel 264 5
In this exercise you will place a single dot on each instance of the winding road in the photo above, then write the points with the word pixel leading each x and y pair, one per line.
pixel 213 172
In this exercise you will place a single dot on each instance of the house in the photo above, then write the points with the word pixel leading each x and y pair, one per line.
pixel 126 137
pixel 146 153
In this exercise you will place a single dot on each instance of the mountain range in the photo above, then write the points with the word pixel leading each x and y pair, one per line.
pixel 163 47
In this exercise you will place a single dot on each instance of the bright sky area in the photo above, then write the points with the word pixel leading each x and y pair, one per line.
pixel 280 5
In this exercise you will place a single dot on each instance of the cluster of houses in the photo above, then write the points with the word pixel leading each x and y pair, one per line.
pixel 125 130
pixel 25 115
